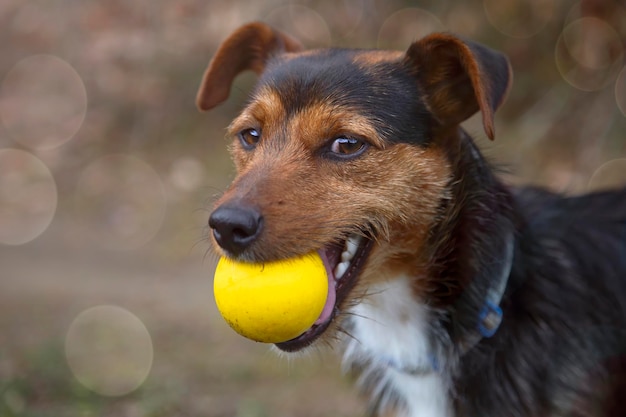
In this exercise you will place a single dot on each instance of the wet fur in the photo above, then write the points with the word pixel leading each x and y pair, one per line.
pixel 441 219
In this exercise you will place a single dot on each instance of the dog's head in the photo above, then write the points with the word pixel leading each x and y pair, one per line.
pixel 345 152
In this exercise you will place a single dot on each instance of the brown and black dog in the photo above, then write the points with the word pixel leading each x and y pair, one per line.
pixel 453 294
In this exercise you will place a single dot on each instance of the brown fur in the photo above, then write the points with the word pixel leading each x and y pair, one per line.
pixel 259 40
pixel 287 170
pixel 370 58
pixel 457 85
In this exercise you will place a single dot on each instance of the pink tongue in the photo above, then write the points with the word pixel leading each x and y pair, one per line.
pixel 332 294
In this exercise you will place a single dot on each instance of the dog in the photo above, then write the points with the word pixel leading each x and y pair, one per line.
pixel 454 294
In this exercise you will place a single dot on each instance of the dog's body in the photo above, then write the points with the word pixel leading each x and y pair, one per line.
pixel 358 155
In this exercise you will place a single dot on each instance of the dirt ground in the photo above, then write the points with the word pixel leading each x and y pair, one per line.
pixel 200 366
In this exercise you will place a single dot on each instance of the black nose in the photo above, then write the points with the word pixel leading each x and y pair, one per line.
pixel 235 228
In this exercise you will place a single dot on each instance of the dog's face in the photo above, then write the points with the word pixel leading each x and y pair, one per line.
pixel 342 152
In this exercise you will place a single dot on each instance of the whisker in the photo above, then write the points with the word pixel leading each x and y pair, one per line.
pixel 340 329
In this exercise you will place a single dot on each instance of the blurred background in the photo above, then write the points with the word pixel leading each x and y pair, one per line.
pixel 107 173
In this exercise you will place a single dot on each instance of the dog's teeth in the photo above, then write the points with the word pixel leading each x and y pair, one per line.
pixel 350 248
pixel 341 269
pixel 352 244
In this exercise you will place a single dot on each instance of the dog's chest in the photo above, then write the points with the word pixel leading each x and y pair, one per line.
pixel 391 346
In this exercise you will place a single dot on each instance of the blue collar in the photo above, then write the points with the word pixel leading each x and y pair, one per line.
pixel 489 319
pixel 490 315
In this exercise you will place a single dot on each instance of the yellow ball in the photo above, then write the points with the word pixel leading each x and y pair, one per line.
pixel 271 302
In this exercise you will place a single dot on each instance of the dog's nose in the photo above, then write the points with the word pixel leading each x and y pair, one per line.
pixel 235 228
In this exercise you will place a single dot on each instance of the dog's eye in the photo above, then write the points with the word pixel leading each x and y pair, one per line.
pixel 348 147
pixel 249 138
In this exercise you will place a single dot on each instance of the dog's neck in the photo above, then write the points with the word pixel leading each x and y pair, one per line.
pixel 403 355
pixel 393 348
pixel 404 349
pixel 474 243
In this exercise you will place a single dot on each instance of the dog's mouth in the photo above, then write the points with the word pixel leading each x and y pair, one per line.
pixel 343 263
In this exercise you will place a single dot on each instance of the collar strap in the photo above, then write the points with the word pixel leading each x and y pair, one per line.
pixel 489 319
pixel 490 315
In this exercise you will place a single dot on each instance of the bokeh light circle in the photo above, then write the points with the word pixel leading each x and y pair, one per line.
pixel 109 350
pixel 620 91
pixel 28 197
pixel 589 54
pixel 122 201
pixel 186 174
pixel 610 175
pixel 406 26
pixel 43 102
pixel 519 18
pixel 301 22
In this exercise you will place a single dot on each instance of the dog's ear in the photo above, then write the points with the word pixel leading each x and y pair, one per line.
pixel 248 48
pixel 460 77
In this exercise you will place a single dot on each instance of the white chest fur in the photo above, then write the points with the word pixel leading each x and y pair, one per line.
pixel 390 334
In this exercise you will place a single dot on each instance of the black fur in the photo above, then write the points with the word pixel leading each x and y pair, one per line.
pixel 331 76
pixel 561 348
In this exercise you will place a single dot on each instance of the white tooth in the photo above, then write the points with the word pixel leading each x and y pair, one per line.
pixel 352 244
pixel 346 256
pixel 341 269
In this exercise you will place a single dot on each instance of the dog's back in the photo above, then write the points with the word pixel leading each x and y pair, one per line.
pixel 562 344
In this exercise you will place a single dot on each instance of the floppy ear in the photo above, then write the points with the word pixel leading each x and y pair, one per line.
pixel 248 48
pixel 460 77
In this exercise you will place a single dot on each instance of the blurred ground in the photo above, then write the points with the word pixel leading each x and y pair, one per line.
pixel 107 173
pixel 200 366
